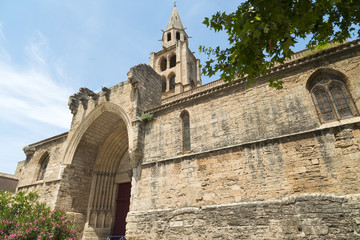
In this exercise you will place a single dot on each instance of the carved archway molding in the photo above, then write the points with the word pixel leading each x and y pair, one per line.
pixel 86 123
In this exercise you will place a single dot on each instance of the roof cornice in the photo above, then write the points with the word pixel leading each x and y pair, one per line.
pixel 296 60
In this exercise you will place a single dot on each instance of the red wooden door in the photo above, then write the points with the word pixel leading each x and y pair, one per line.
pixel 122 208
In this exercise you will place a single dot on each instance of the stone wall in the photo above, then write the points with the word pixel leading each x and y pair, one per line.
pixel 29 169
pixel 251 147
pixel 322 161
pixel 236 114
pixel 8 182
pixel 313 216
pixel 141 91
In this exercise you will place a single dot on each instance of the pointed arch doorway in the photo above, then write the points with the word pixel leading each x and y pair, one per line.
pixel 101 158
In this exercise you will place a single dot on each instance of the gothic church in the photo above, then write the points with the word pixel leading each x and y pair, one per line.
pixel 161 156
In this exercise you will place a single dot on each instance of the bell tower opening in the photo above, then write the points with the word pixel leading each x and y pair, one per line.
pixel 173 61
pixel 169 37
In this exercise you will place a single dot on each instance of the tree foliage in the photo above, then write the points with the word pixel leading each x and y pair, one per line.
pixel 261 33
pixel 22 217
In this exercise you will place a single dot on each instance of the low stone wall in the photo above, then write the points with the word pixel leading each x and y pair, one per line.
pixel 8 182
pixel 310 216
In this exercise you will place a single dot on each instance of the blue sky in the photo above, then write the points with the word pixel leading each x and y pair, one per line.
pixel 51 48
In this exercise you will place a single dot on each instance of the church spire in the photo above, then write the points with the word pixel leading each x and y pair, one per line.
pixel 176 63
pixel 174 21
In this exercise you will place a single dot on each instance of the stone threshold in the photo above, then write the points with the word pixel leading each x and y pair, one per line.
pixel 326 126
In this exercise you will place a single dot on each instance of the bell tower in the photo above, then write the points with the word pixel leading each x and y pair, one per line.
pixel 177 65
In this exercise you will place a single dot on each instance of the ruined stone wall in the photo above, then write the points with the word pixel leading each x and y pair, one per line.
pixel 28 170
pixel 141 91
pixel 316 216
pixel 148 83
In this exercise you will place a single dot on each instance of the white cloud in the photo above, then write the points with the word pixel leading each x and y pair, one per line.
pixel 3 53
pixel 37 48
pixel 2 36
pixel 30 93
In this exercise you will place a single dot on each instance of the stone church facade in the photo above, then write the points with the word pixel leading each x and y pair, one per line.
pixel 161 156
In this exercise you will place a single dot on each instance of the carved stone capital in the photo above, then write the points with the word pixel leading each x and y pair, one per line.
pixel 84 102
pixel 73 103
pixel 82 96
pixel 28 150
pixel 106 92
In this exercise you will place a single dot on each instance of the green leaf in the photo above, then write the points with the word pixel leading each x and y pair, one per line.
pixel 266 29
pixel 261 33
pixel 206 21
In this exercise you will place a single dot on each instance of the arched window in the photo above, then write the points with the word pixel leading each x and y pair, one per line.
pixel 177 36
pixel 163 81
pixel 163 64
pixel 43 166
pixel 185 125
pixel 172 81
pixel 331 96
pixel 169 37
pixel 173 61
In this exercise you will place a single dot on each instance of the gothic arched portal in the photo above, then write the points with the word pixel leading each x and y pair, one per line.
pixel 100 165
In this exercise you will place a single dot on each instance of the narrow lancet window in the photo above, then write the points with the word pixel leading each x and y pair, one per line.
pixel 172 82
pixel 177 36
pixel 185 119
pixel 173 61
pixel 43 166
pixel 163 64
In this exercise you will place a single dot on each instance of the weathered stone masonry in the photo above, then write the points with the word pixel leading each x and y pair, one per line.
pixel 248 144
pixel 312 216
